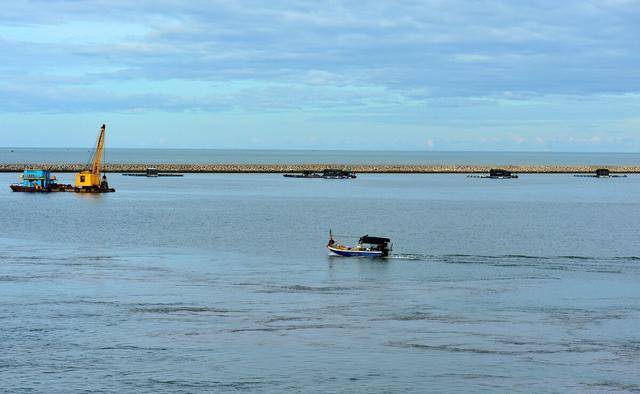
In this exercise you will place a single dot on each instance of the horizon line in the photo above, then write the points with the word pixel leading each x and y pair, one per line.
pixel 326 150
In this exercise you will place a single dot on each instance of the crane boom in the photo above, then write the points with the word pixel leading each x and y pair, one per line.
pixel 98 155
pixel 91 180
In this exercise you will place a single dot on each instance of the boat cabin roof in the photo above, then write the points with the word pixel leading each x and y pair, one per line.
pixel 499 172
pixel 365 239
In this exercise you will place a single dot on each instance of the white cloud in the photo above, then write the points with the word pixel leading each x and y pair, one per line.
pixel 470 67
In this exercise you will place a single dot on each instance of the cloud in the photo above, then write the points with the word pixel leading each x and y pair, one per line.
pixel 453 48
pixel 457 64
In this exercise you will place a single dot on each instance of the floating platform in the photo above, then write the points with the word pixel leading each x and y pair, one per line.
pixel 601 173
pixel 305 174
pixel 149 176
pixel 94 190
pixel 152 172
pixel 496 173
pixel 50 189
pixel 327 173
pixel 60 189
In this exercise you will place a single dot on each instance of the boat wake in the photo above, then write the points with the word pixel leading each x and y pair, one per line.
pixel 616 264
pixel 410 256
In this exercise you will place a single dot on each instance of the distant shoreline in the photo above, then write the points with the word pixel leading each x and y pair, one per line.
pixel 357 168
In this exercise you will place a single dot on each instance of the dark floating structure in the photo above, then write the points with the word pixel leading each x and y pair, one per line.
pixel 151 172
pixel 601 173
pixel 496 173
pixel 304 174
pixel 327 173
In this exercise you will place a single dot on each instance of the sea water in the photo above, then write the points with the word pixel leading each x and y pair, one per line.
pixel 222 283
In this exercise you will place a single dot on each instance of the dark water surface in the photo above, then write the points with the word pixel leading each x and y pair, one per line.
pixel 221 283
pixel 272 156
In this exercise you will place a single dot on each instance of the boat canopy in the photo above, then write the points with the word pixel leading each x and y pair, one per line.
pixel 374 240
pixel 335 171
pixel 499 172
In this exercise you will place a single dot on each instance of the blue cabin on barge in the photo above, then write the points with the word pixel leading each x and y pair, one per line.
pixel 37 179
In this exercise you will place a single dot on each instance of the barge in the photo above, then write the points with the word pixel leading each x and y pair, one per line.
pixel 89 180
pixel 39 181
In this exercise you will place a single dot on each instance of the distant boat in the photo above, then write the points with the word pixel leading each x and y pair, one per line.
pixel 327 173
pixel 496 173
pixel 367 247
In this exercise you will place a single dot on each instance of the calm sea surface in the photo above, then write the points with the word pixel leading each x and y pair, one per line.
pixel 221 283
pixel 203 156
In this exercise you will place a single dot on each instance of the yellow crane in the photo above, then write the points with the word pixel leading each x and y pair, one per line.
pixel 91 180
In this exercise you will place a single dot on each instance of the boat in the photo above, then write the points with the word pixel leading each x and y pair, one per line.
pixel 367 247
pixel 152 172
pixel 496 173
pixel 39 181
pixel 327 173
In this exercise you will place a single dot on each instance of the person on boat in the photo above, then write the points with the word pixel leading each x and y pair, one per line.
pixel 331 241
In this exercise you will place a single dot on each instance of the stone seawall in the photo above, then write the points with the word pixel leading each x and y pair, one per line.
pixel 358 168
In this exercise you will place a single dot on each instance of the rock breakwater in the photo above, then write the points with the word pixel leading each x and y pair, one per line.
pixel 358 168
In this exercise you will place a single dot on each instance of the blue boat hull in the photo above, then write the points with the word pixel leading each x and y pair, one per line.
pixel 355 253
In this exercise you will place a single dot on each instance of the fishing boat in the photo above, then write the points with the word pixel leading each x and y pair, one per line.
pixel 367 247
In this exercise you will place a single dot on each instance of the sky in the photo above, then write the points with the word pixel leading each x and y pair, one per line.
pixel 480 75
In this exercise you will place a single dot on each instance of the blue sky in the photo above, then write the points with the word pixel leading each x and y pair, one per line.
pixel 407 75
